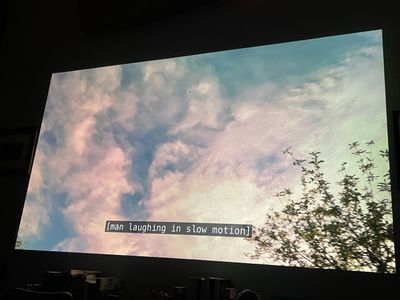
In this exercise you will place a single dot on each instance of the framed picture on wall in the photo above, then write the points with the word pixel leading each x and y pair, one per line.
pixel 17 150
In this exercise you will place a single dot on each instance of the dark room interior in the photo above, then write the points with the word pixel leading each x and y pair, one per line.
pixel 43 37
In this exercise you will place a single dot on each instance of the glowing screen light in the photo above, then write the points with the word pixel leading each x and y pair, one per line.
pixel 273 154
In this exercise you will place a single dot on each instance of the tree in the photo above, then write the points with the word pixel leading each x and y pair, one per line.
pixel 345 226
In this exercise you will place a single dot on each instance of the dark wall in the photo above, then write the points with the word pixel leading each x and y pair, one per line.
pixel 50 36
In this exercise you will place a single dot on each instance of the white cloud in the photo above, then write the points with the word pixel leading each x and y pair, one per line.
pixel 36 214
pixel 169 68
pixel 87 163
pixel 95 194
pixel 226 183
pixel 176 155
pixel 223 165
pixel 77 161
pixel 79 137
pixel 107 79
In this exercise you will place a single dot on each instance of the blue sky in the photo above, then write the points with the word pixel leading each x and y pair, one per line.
pixel 183 139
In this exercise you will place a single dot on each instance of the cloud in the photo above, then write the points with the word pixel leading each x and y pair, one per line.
pixel 95 195
pixel 171 157
pixel 35 215
pixel 78 139
pixel 204 109
pixel 226 183
pixel 164 67
pixel 193 152
pixel 75 102
pixel 90 117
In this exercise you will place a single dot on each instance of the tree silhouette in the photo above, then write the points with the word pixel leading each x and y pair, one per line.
pixel 347 225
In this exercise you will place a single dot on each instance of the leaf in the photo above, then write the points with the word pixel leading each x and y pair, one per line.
pixel 350 228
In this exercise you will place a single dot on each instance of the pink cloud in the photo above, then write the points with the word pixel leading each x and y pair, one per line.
pixel 230 179
pixel 224 184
